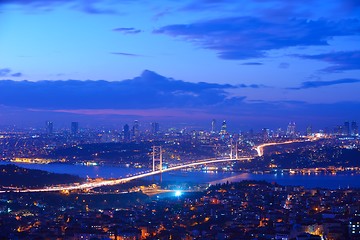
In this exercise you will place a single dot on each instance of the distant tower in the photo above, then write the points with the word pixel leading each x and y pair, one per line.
pixel 290 132
pixel 339 130
pixel 346 130
pixel 251 133
pixel 136 131
pixel 49 127
pixel 279 132
pixel 223 128
pixel 354 128
pixel 309 130
pixel 266 133
pixel 126 131
pixel 155 128
pixel 74 128
pixel 213 126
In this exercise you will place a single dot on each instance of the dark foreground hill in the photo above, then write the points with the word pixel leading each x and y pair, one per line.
pixel 14 176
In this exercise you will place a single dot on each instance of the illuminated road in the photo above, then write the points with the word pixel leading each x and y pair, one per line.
pixel 106 182
pixel 260 148
pixel 126 179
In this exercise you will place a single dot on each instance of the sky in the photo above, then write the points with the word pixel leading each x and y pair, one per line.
pixel 254 63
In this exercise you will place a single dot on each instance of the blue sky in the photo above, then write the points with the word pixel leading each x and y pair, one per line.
pixel 256 63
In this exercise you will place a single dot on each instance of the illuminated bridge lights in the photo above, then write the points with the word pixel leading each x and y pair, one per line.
pixel 107 182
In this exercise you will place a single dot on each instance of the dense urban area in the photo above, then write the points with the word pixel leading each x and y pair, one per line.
pixel 156 208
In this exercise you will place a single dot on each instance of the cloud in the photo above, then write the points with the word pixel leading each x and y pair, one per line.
pixel 251 86
pixel 149 90
pixel 126 54
pixel 284 65
pixel 36 2
pixel 203 5
pixel 7 72
pixel 18 74
pixel 127 30
pixel 88 6
pixel 317 84
pixel 279 9
pixel 146 113
pixel 253 63
pixel 155 97
pixel 274 114
pixel 250 37
pixel 4 72
pixel 342 61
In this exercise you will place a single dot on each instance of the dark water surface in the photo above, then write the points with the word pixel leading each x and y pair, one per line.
pixel 331 181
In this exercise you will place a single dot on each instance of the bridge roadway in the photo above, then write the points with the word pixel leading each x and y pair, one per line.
pixel 111 182
pixel 260 148
pixel 107 182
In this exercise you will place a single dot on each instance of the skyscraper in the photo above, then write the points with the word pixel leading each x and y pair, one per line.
pixel 339 130
pixel 126 131
pixel 309 130
pixel 49 127
pixel 135 129
pixel 213 126
pixel 290 132
pixel 346 130
pixel 155 128
pixel 266 133
pixel 223 128
pixel 74 128
pixel 354 128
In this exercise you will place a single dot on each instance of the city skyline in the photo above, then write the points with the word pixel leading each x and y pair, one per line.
pixel 256 64
pixel 132 130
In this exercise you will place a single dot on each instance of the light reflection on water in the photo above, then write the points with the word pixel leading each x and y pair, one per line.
pixel 309 181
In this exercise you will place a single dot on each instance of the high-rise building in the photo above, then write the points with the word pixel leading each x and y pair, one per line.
pixel 309 130
pixel 74 128
pixel 223 128
pixel 279 132
pixel 213 126
pixel 354 128
pixel 126 132
pixel 291 128
pixel 346 129
pixel 49 127
pixel 136 129
pixel 339 130
pixel 266 133
pixel 354 227
pixel 155 128
pixel 251 133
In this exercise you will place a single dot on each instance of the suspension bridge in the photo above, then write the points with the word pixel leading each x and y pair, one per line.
pixel 156 158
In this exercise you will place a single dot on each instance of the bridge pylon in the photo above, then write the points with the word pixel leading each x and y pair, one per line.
pixel 157 157
pixel 236 149
pixel 232 149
